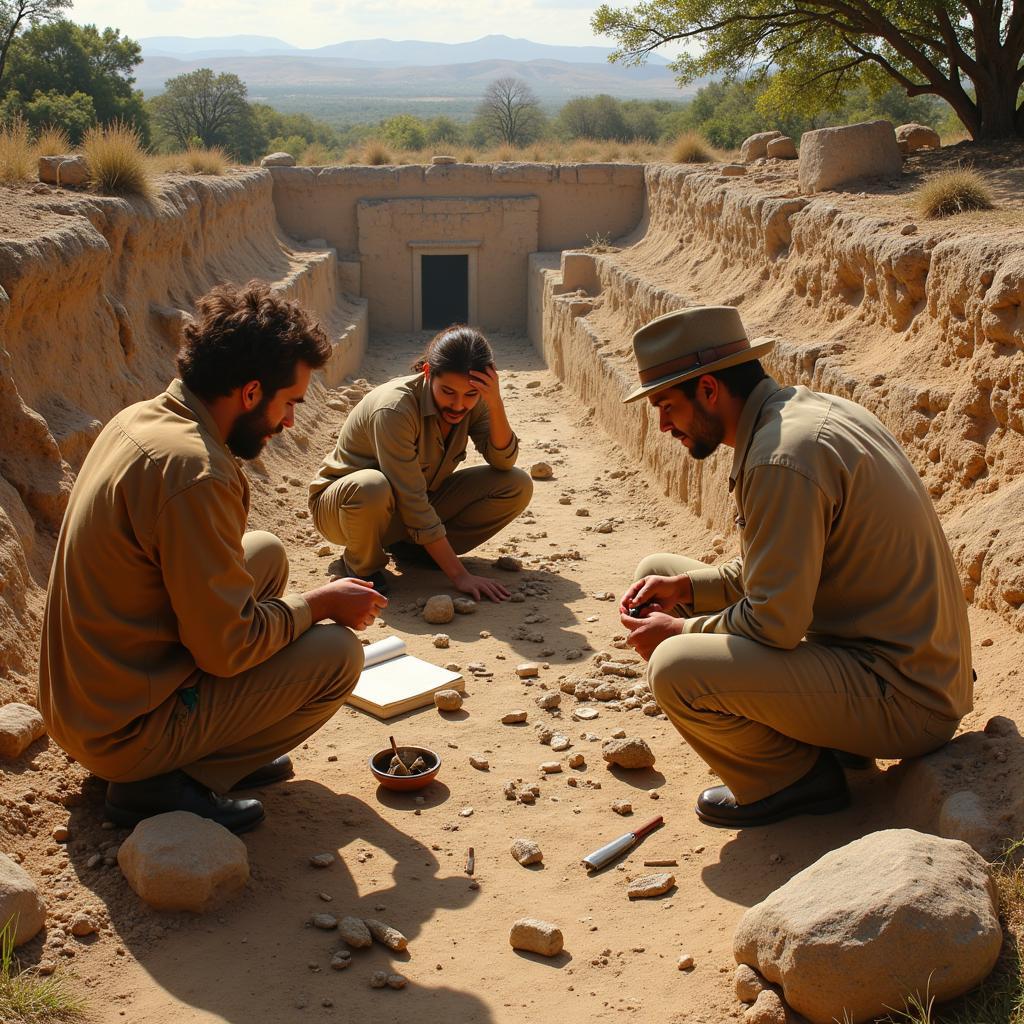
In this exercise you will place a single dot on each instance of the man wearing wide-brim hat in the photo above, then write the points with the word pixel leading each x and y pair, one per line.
pixel 842 625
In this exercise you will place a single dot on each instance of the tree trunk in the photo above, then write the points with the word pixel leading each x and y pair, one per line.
pixel 997 111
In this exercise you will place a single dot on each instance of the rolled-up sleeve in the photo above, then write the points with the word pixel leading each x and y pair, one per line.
pixel 480 432
pixel 395 441
pixel 717 586
pixel 788 518
pixel 225 628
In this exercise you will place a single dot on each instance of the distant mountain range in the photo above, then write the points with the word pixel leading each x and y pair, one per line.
pixel 380 52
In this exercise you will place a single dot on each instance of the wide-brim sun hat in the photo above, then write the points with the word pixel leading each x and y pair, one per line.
pixel 688 343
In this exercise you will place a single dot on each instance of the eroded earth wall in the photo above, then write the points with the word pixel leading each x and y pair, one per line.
pixel 94 293
pixel 920 323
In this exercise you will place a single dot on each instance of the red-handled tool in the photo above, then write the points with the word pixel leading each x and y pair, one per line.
pixel 599 858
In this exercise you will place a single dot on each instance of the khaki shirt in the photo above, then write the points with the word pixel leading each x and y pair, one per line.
pixel 149 581
pixel 841 545
pixel 396 429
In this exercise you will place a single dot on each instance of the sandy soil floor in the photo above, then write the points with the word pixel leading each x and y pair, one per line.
pixel 257 959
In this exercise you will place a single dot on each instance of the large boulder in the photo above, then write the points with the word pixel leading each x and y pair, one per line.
pixel 179 861
pixel 73 172
pixel 893 914
pixel 830 157
pixel 782 148
pixel 20 901
pixel 756 146
pixel 20 726
pixel 278 160
pixel 917 136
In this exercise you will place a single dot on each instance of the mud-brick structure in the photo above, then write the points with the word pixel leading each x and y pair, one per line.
pixel 428 246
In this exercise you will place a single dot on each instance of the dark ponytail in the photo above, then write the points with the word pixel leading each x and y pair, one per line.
pixel 456 349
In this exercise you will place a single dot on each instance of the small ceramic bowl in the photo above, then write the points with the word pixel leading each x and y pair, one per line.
pixel 380 761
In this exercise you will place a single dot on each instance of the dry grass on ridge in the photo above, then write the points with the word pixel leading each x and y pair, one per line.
pixel 959 190
pixel 117 162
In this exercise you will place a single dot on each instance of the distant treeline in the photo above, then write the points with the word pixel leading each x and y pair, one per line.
pixel 70 76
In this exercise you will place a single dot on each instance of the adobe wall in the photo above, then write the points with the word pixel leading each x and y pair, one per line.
pixel 921 326
pixel 482 204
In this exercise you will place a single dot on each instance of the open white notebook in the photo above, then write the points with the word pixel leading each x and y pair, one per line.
pixel 394 681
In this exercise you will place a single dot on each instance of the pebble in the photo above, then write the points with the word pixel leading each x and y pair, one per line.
pixel 442 640
pixel 647 886
pixel 480 763
pixel 541 471
pixel 324 550
pixel 60 834
pixel 379 979
pixel 81 925
pixel 533 384
pixel 622 807
pixel 551 767
pixel 628 753
pixel 585 714
pixel 439 609
pixel 94 860
pixel 528 670
pixel 465 605
pixel 536 936
pixel 386 935
pixel 584 512
pixel 513 717
pixel 768 1008
pixel 593 618
pixel 548 701
pixel 685 962
pixel 748 983
pixel 322 860
pixel 618 734
pixel 448 700
pixel 526 851
pixel 354 932
pixel 453 666
pixel 559 742
pixel 396 981
pixel 466 812
pixel 325 922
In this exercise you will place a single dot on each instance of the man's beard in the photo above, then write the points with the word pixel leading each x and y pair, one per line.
pixel 707 433
pixel 248 435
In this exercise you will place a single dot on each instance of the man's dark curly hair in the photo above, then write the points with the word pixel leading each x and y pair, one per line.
pixel 244 333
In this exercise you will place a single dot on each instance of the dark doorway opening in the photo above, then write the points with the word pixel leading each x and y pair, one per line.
pixel 444 287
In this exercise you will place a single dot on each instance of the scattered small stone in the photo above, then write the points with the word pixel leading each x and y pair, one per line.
pixel 325 922
pixel 60 834
pixel 509 563
pixel 386 935
pixel 324 550
pixel 685 962
pixel 551 767
pixel 605 526
pixel 326 897
pixel 560 742
pixel 94 860
pixel 535 936
pixel 768 1008
pixel 509 789
pixel 622 807
pixel 548 701
pixel 526 797
pixel 466 812
pixel 541 471
pixel 629 753
pixel 585 714
pixel 439 609
pixel 528 670
pixel 577 761
pixel 82 925
pixel 465 605
pixel 353 931
pixel 584 512
pixel 453 666
pixel 379 979
pixel 479 762
pixel 448 700
pixel 442 640
pixel 619 734
pixel 396 981
pixel 513 717
pixel 485 634
pixel 651 885
pixel 20 726
pixel 748 983
pixel 526 852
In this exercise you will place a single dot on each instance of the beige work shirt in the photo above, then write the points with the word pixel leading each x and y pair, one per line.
pixel 841 545
pixel 148 580
pixel 397 430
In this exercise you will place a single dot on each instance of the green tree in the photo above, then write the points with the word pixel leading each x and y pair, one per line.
pixel 403 131
pixel 16 13
pixel 593 117
pixel 443 129
pixel 62 58
pixel 967 52
pixel 510 112
pixel 75 113
pixel 203 105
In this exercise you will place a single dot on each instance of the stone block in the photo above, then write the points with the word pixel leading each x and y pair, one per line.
pixel 832 157
pixel 20 726
pixel 782 148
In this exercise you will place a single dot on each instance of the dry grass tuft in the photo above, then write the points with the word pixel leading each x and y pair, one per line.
pixel 200 160
pixel 376 154
pixel 691 148
pixel 950 192
pixel 117 162
pixel 52 141
pixel 28 998
pixel 316 154
pixel 17 159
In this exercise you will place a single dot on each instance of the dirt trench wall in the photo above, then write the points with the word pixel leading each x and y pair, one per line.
pixel 92 305
pixel 921 325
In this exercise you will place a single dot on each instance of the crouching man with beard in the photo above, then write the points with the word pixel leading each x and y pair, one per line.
pixel 174 664
pixel 841 626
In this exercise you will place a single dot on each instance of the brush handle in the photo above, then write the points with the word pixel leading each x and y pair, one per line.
pixel 649 827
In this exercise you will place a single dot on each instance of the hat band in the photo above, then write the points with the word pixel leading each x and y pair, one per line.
pixel 702 358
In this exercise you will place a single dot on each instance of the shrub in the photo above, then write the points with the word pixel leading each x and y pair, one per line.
pixel 375 153
pixel 691 148
pixel 316 154
pixel 52 141
pixel 950 192
pixel 202 160
pixel 117 163
pixel 17 162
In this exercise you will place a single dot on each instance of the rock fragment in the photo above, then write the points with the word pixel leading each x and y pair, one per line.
pixel 528 670
pixel 535 936
pixel 551 767
pixel 439 609
pixel 353 931
pixel 685 962
pixel 379 979
pixel 560 742
pixel 441 641
pixel 448 700
pixel 585 714
pixel 325 922
pixel 632 753
pixel 541 471
pixel 650 885
pixel 549 700
pixel 341 959
pixel 513 717
pixel 622 807
pixel 768 1008
pixel 577 761
pixel 20 726
pixel 386 934
pixel 748 983
pixel 479 762
pixel 396 980
pixel 465 605
pixel 526 852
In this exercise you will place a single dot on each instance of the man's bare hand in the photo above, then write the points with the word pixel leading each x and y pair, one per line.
pixel 349 602
pixel 656 593
pixel 645 634
pixel 486 382
pixel 481 586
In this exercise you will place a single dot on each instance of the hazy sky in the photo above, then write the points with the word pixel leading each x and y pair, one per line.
pixel 312 23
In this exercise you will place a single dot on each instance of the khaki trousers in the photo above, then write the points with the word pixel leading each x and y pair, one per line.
pixel 358 511
pixel 760 715
pixel 242 722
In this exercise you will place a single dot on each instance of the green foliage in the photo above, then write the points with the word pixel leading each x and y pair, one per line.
pixel 65 59
pixel 75 113
pixel 28 998
pixel 294 144
pixel 206 106
pixel 812 53
pixel 593 117
pixel 16 14
pixel 510 112
pixel 404 132
pixel 443 129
